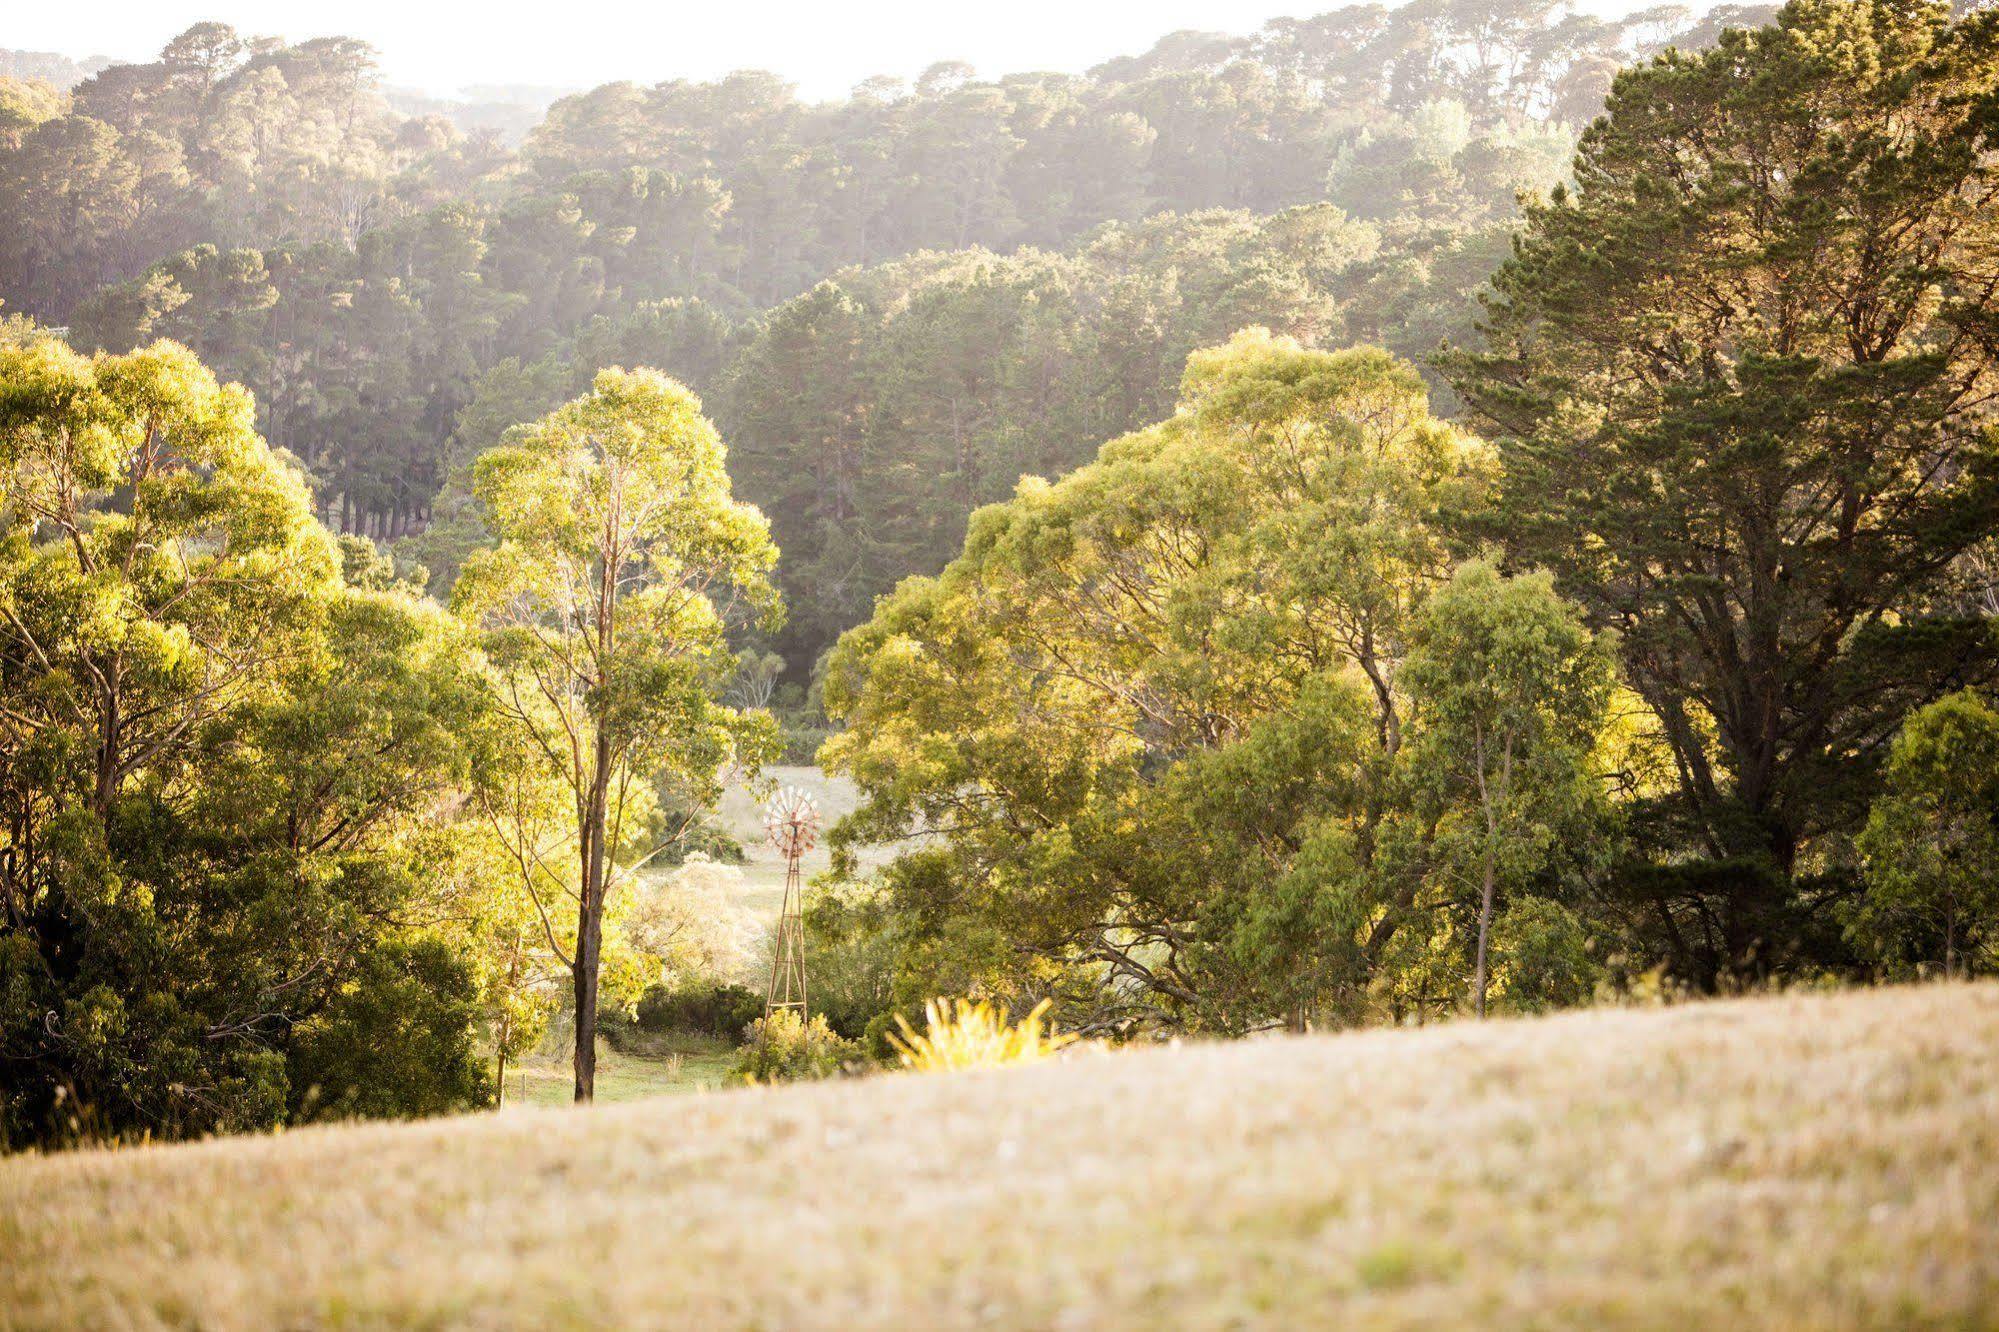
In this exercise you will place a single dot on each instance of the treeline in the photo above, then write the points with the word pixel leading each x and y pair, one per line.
pixel 59 72
pixel 384 365
pixel 231 139
pixel 382 267
pixel 869 416
pixel 225 140
pixel 1304 111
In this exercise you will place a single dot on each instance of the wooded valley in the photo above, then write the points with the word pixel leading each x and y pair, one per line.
pixel 1409 513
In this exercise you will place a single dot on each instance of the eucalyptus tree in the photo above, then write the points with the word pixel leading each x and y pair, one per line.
pixel 1149 717
pixel 605 604
pixel 1513 693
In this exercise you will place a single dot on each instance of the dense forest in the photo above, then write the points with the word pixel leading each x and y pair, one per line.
pixel 1018 267
pixel 1407 511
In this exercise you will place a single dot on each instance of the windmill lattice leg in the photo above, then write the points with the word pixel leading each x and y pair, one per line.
pixel 787 964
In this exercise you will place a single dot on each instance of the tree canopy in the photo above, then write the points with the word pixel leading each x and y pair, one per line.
pixel 222 764
pixel 1741 379
pixel 1151 730
pixel 389 281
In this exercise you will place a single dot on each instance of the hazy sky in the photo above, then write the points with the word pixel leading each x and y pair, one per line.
pixel 825 48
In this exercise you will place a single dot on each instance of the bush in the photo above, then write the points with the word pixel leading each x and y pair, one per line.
pixel 704 1008
pixel 801 741
pixel 853 947
pixel 1542 958
pixel 704 837
pixel 396 1041
pixel 1932 847
pixel 794 1051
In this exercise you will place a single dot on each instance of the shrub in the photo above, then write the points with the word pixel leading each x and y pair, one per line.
pixel 967 1033
pixel 701 1008
pixel 788 1049
pixel 1543 958
pixel 853 946
pixel 1932 846
pixel 396 1041
pixel 704 837
pixel 801 742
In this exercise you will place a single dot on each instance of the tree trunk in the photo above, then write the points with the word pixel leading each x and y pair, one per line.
pixel 590 921
pixel 584 973
pixel 110 736
pixel 1490 801
pixel 1484 934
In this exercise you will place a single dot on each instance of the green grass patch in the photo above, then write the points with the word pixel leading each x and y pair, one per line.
pixel 679 1065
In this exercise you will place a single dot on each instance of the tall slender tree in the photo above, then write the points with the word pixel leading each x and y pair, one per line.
pixel 1512 691
pixel 620 559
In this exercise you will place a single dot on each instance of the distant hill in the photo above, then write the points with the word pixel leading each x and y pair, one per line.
pixel 1790 1162
pixel 49 67
pixel 508 111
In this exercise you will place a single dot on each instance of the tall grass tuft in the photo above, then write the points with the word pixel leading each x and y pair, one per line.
pixel 967 1033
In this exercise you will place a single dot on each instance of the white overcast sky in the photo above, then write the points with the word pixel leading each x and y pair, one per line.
pixel 825 48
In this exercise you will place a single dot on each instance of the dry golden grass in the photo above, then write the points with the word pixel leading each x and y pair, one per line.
pixel 1792 1163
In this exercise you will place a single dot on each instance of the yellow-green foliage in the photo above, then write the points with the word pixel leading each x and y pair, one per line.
pixel 786 1048
pixel 968 1033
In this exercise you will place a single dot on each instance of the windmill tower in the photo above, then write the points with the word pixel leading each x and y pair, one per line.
pixel 791 823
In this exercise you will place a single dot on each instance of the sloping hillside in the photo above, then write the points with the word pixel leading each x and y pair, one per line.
pixel 1795 1162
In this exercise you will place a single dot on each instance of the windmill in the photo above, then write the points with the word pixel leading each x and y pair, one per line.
pixel 791 824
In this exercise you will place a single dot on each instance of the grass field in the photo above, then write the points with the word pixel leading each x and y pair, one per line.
pixel 1796 1162
pixel 693 1064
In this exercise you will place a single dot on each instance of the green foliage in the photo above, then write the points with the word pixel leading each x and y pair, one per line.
pixel 223 768
pixel 700 1007
pixel 1152 720
pixel 873 414
pixel 222 138
pixel 852 944
pixel 785 1048
pixel 1297 934
pixel 1932 846
pixel 1513 697
pixel 1543 958
pixel 395 1040
pixel 24 104
pixel 1741 379
pixel 518 985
